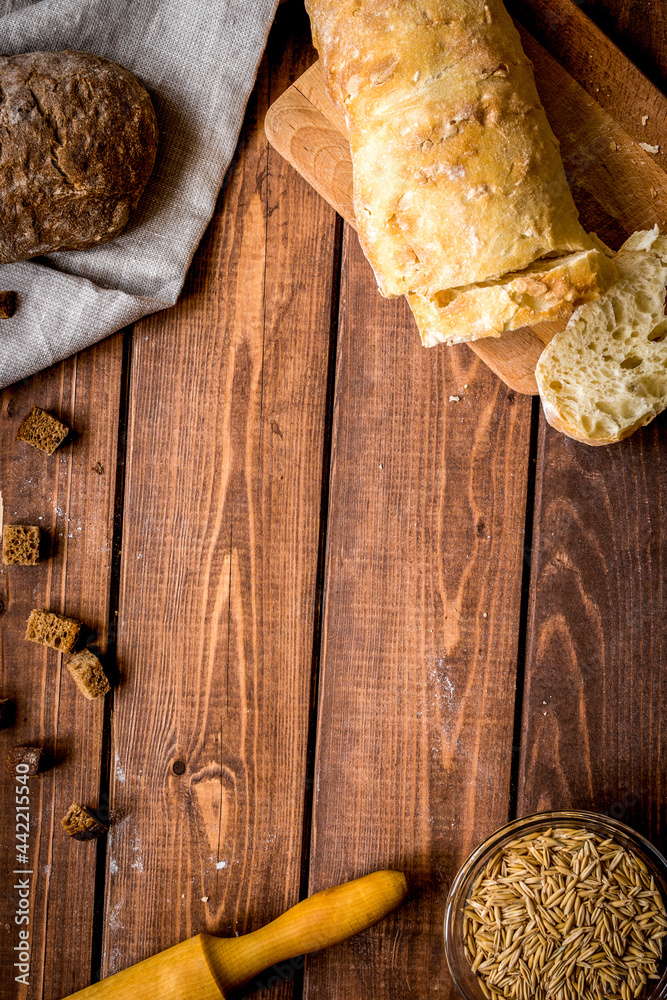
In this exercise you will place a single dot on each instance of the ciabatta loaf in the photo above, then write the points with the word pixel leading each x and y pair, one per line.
pixel 457 175
pixel 545 290
pixel 605 375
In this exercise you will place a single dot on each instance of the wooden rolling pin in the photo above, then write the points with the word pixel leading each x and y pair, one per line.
pixel 204 967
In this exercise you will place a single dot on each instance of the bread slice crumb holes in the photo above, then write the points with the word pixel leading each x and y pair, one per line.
pixel 605 375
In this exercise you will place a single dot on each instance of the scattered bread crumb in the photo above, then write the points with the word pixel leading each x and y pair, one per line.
pixel 612 145
pixel 42 431
pixel 649 148
pixel 29 758
pixel 654 193
pixel 204 899
pixel 454 399
pixel 53 630
pixel 20 545
pixel 82 823
pixel 644 120
pixel 88 674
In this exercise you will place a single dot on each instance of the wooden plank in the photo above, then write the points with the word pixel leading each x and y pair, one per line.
pixel 73 503
pixel 595 724
pixel 639 29
pixel 424 557
pixel 221 534
pixel 586 50
pixel 618 186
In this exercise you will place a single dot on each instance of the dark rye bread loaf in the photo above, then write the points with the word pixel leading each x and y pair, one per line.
pixel 78 137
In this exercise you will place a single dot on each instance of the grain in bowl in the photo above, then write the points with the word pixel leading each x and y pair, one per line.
pixel 562 912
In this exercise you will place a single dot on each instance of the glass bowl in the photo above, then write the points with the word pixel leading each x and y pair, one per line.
pixel 463 976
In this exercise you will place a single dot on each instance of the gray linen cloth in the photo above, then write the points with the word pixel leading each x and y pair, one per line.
pixel 198 60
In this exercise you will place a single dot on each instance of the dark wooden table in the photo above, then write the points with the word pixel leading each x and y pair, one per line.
pixel 355 624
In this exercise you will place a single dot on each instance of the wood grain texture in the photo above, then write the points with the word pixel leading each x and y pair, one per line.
pixel 221 534
pixel 296 127
pixel 595 724
pixel 637 27
pixel 73 504
pixel 424 557
pixel 618 186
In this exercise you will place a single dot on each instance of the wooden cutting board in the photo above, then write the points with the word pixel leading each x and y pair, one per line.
pixel 617 185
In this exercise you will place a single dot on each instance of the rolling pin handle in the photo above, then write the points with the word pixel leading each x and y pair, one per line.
pixel 324 919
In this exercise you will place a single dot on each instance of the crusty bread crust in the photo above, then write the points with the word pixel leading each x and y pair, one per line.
pixel 554 419
pixel 547 291
pixel 457 173
pixel 78 137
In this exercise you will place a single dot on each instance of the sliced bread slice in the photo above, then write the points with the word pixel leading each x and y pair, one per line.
pixel 605 375
pixel 546 290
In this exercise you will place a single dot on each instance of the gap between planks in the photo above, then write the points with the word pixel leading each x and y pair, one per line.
pixel 321 556
pixel 311 745
pixel 526 579
pixel 104 798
